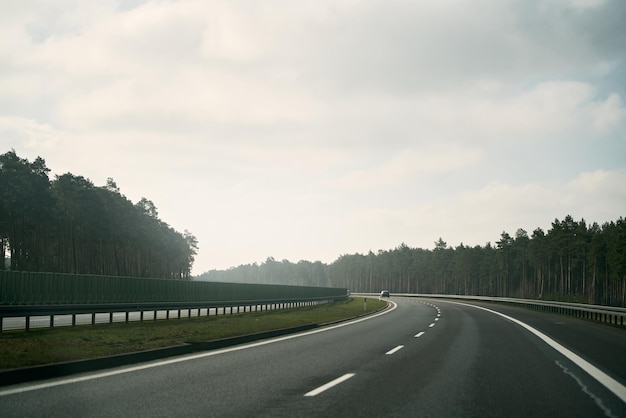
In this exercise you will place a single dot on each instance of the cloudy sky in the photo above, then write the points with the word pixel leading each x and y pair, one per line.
pixel 311 129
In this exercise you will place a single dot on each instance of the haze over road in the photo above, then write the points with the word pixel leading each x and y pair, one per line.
pixel 423 358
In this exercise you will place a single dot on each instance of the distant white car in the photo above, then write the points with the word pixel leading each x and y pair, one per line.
pixel 384 294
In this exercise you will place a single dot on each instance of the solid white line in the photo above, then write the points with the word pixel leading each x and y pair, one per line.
pixel 398 348
pixel 419 334
pixel 607 381
pixel 329 385
pixel 131 369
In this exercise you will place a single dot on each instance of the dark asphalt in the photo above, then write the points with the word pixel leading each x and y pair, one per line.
pixel 469 363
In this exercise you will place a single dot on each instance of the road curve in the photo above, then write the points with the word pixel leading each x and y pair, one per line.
pixel 424 358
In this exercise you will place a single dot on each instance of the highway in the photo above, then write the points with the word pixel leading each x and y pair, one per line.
pixel 422 358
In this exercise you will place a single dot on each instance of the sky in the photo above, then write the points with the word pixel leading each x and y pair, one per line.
pixel 304 130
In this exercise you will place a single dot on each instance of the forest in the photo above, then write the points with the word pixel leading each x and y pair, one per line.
pixel 69 225
pixel 572 261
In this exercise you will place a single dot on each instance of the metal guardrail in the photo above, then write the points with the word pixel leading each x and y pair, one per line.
pixel 28 311
pixel 607 314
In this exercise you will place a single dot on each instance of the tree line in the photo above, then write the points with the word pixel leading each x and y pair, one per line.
pixel 572 261
pixel 69 225
pixel 302 273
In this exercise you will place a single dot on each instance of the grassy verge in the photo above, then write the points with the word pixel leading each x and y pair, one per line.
pixel 46 346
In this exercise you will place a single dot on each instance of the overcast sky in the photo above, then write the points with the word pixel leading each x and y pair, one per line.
pixel 311 129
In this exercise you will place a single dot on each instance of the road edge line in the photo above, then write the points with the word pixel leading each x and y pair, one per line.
pixel 604 379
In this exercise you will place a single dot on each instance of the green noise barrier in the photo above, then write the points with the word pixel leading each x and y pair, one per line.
pixel 36 288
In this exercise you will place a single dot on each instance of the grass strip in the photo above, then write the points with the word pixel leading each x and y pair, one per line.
pixel 54 345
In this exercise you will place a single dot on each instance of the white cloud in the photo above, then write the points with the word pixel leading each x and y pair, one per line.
pixel 468 217
pixel 610 115
pixel 599 194
pixel 408 166
pixel 310 129
pixel 33 135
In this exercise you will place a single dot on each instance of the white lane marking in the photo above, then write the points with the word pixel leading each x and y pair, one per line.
pixel 419 334
pixel 394 350
pixel 329 385
pixel 437 319
pixel 431 325
pixel 131 369
pixel 607 381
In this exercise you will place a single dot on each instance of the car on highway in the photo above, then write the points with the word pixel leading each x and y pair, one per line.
pixel 384 294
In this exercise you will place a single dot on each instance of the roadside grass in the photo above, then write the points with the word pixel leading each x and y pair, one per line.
pixel 54 345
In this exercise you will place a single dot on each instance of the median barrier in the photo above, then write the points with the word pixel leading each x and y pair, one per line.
pixel 226 307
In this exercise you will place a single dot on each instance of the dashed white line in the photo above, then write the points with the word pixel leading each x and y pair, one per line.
pixel 394 350
pixel 329 385
pixel 419 334
pixel 431 325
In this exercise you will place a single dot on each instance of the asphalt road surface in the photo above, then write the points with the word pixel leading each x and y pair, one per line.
pixel 425 358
